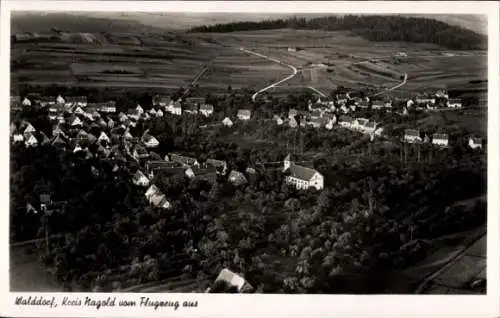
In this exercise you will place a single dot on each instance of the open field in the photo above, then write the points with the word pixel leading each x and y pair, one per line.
pixel 167 61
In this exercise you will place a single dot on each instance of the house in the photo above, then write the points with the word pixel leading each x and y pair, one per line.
pixel 440 140
pixel 122 117
pixel 475 143
pixel 159 113
pixel 186 161
pixel 410 103
pixel 412 136
pixel 244 114
pixel 127 135
pixel 454 103
pixel 29 129
pixel 159 201
pixel 75 121
pixel 278 119
pixel 140 152
pixel 150 141
pixel 401 54
pixel 344 109
pixel 292 49
pixel 219 165
pixel 233 280
pixel 206 110
pixel 77 148
pixel 292 113
pixel 425 100
pixel 30 140
pixel 370 127
pixel 208 174
pixel 59 141
pixel 316 114
pixel 26 102
pixel 45 100
pixel 153 166
pixel 80 101
pixel 293 123
pixel 45 139
pixel 140 179
pixel 107 107
pixel 378 104
pixel 329 125
pixel 104 138
pixel 237 178
pixel 17 138
pixel 15 102
pixel 346 121
pixel 152 190
pixel 191 109
pixel 132 114
pixel 139 110
pixel 315 122
pixel 302 177
pixel 227 122
pixel 161 101
pixel 360 123
pixel 79 111
pixel 175 108
pixel 60 100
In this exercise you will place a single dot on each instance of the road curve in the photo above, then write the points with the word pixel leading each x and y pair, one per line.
pixel 394 87
pixel 295 71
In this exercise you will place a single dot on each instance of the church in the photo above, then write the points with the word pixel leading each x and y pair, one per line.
pixel 302 177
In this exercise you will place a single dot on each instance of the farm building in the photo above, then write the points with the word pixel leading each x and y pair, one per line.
pixel 244 114
pixel 440 140
pixel 412 136
pixel 237 178
pixel 425 100
pixel 401 54
pixel 302 177
pixel 292 49
pixel 475 143
pixel 378 104
pixel 186 161
pixel 227 122
pixel 154 166
pixel 206 110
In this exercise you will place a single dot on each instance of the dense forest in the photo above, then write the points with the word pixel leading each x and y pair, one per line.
pixel 374 28
pixel 340 240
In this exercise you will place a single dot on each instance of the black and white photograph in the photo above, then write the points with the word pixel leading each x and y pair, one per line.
pixel 332 153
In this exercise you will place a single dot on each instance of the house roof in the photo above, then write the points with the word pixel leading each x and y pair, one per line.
pixel 231 278
pixel 158 199
pixel 195 100
pixel 316 113
pixel 301 172
pixel 378 102
pixel 199 172
pixel 75 99
pixel 207 107
pixel 237 175
pixel 183 159
pixel 244 112
pixel 362 121
pixel 412 132
pixel 440 136
pixel 152 190
pixel 139 175
pixel 216 163
pixel 477 140
pixel 161 99
pixel 346 119
pixel 162 164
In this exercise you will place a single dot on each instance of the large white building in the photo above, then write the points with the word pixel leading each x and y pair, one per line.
pixel 302 177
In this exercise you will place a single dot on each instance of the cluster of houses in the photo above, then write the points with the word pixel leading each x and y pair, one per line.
pixel 438 139
pixel 434 100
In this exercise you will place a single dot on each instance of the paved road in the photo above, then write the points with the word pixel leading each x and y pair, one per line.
pixel 295 71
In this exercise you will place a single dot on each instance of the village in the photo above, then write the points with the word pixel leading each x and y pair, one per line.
pixel 98 130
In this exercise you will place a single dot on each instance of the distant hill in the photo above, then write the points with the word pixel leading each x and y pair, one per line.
pixel 44 22
pixel 380 28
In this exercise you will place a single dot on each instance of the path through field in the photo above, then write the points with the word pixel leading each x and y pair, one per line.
pixel 295 71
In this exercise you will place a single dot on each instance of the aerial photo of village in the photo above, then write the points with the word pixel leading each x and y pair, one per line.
pixel 248 153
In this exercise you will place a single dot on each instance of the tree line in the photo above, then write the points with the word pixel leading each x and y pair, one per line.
pixel 371 27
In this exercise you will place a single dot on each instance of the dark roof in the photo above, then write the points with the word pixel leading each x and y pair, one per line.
pixel 161 164
pixel 207 107
pixel 412 132
pixel 345 119
pixel 182 159
pixel 301 172
pixel 161 99
pixel 245 112
pixel 195 100
pixel 80 99
pixel 216 163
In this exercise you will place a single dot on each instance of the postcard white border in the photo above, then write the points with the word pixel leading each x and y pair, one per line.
pixel 277 305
